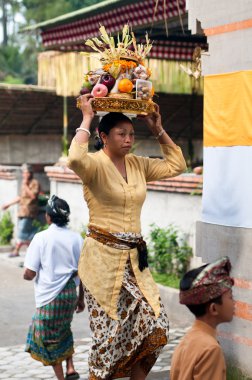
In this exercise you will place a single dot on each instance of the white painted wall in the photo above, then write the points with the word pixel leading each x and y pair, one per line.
pixel 182 210
pixel 73 194
pixel 9 191
pixel 161 208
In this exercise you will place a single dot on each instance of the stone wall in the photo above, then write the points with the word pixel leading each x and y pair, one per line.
pixel 214 241
pixel 228 27
pixel 35 149
pixel 46 149
pixel 151 148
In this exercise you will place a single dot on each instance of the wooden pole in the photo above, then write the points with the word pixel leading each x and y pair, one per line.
pixel 65 125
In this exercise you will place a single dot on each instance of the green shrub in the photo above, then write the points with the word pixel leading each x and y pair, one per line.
pixel 169 250
pixel 39 225
pixel 171 280
pixel 43 199
pixel 83 231
pixel 234 373
pixel 6 228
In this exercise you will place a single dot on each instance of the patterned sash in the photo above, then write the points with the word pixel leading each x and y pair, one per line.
pixel 122 240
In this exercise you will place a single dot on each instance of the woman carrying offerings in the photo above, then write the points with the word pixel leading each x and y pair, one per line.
pixel 127 319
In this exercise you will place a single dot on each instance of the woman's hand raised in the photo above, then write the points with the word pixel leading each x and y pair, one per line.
pixel 153 120
pixel 86 106
pixel 85 102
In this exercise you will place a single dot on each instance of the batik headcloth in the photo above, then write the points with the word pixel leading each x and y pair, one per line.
pixel 210 283
pixel 57 207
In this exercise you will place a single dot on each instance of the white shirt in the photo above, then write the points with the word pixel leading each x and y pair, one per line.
pixel 53 254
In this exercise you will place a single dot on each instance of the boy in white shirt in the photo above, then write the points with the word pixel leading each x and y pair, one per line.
pixel 52 259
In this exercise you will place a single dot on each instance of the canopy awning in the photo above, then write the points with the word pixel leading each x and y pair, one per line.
pixel 172 50
pixel 69 32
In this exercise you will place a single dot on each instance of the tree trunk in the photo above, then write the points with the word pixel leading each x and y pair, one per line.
pixel 4 22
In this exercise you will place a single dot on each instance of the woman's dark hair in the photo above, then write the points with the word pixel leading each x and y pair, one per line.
pixel 109 121
pixel 186 283
pixel 58 210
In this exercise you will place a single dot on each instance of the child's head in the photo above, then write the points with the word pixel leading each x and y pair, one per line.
pixel 207 291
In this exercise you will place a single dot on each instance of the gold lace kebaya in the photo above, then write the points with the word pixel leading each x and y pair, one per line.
pixel 115 206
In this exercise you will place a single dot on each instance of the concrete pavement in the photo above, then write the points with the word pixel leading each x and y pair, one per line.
pixel 17 308
pixel 17 364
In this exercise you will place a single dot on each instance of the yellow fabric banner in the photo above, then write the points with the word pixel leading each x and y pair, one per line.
pixel 228 109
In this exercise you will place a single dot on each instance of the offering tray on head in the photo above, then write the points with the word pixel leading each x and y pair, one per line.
pixel 128 106
pixel 122 83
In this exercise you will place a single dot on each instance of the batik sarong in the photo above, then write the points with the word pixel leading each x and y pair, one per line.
pixel 50 338
pixel 138 336
pixel 26 229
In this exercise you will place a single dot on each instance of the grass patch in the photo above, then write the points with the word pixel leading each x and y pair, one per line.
pixel 166 279
pixel 234 373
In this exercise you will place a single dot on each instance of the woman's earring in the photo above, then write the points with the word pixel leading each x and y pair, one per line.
pixel 104 145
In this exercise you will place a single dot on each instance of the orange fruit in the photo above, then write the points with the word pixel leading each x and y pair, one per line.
pixel 148 70
pixel 125 85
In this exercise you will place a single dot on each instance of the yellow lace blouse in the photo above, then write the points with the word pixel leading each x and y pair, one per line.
pixel 115 205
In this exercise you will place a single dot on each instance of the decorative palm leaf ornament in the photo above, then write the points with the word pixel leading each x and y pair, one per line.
pixel 195 70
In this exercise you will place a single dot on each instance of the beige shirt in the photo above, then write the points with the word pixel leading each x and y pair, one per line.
pixel 115 205
pixel 198 356
pixel 28 207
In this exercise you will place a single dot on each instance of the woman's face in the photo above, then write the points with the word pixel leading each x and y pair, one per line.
pixel 26 175
pixel 120 139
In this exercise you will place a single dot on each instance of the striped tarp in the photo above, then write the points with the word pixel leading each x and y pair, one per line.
pixel 138 14
pixel 170 50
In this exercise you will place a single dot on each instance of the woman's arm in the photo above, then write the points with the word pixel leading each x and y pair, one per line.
pixel 82 135
pixel 78 158
pixel 173 162
pixel 154 122
pixel 13 202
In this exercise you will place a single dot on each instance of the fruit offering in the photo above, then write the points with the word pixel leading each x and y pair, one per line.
pixel 99 90
pixel 143 89
pixel 125 85
pixel 123 73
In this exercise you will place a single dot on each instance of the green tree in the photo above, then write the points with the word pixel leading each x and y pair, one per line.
pixel 18 53
pixel 9 9
pixel 10 62
pixel 37 11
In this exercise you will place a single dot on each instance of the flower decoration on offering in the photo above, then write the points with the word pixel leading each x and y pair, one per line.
pixel 122 83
